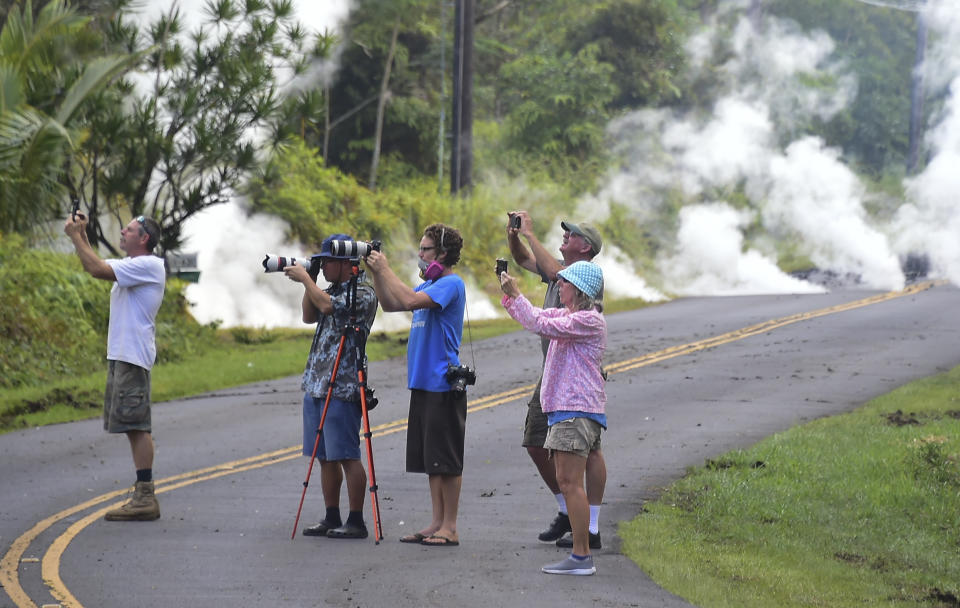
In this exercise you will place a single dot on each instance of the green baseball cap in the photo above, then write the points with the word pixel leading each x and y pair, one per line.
pixel 587 231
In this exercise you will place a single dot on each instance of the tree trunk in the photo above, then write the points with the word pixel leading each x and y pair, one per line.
pixel 382 106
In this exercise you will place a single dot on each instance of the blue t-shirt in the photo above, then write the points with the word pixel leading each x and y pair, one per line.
pixel 435 334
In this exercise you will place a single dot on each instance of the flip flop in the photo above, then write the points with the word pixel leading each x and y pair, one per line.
pixel 444 541
pixel 414 538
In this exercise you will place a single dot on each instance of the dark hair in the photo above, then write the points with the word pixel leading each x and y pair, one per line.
pixel 152 228
pixel 447 240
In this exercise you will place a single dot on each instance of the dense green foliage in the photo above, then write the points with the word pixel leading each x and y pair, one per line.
pixel 53 318
pixel 853 510
pixel 49 71
pixel 549 77
pixel 874 129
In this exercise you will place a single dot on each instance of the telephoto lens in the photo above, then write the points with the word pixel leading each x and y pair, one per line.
pixel 276 263
pixel 353 249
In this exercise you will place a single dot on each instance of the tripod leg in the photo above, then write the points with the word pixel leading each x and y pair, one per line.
pixel 368 436
pixel 316 443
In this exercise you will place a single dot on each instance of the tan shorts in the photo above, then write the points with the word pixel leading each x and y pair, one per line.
pixel 577 435
pixel 126 404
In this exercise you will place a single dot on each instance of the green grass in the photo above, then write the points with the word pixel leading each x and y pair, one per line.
pixel 861 509
pixel 239 356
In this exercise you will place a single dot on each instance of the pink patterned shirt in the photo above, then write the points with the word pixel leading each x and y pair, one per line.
pixel 571 372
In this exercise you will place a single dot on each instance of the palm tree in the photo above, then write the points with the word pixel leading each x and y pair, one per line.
pixel 45 78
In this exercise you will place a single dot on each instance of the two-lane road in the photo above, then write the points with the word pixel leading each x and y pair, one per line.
pixel 689 380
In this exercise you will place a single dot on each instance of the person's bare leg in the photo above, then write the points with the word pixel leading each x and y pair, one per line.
pixel 546 468
pixel 141 446
pixel 331 477
pixel 449 486
pixel 570 474
pixel 596 474
pixel 356 477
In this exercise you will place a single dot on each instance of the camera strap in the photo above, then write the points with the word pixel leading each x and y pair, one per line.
pixel 466 314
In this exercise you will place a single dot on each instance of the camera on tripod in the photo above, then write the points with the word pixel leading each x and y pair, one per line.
pixel 276 263
pixel 353 249
pixel 459 376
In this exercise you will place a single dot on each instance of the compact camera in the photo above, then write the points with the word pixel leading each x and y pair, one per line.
pixel 515 221
pixel 501 266
pixel 459 376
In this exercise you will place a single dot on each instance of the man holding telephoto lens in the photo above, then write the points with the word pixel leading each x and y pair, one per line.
pixel 438 410
pixel 339 446
pixel 138 284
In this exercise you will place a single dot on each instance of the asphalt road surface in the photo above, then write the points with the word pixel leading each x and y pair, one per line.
pixel 689 380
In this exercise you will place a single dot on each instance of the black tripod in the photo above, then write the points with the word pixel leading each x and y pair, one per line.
pixel 353 327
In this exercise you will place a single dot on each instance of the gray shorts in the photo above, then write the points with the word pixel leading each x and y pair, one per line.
pixel 577 435
pixel 126 404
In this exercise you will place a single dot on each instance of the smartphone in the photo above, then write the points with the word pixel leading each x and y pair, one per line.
pixel 515 221
pixel 501 266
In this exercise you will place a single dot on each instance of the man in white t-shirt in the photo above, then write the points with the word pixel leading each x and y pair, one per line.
pixel 138 283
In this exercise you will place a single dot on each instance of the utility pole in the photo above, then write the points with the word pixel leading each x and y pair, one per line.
pixel 916 95
pixel 461 154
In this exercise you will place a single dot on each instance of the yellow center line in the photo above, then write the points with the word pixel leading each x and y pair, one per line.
pixel 50 567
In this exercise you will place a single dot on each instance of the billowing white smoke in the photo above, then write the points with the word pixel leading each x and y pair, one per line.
pixel 234 289
pixel 930 222
pixel 711 259
pixel 801 192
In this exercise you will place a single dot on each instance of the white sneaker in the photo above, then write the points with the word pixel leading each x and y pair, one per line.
pixel 582 567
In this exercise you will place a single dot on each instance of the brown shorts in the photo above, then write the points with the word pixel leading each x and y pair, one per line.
pixel 577 435
pixel 436 426
pixel 126 404
pixel 535 425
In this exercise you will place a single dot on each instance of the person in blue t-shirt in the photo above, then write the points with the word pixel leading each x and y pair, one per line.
pixel 438 413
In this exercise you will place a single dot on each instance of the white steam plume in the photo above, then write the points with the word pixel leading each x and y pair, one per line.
pixel 930 222
pixel 710 260
pixel 800 191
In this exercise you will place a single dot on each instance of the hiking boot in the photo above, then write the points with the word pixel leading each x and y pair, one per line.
pixel 319 529
pixel 566 542
pixel 558 527
pixel 142 506
pixel 582 567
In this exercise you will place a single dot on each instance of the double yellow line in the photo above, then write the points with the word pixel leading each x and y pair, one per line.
pixel 50 565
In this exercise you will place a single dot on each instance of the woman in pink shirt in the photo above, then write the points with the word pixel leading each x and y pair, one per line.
pixel 572 391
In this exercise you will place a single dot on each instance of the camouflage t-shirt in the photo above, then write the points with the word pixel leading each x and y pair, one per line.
pixel 326 340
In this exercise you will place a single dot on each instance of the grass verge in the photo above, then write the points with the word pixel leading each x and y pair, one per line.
pixel 861 509
pixel 239 356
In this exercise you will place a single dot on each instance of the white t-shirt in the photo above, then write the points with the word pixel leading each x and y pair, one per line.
pixel 134 302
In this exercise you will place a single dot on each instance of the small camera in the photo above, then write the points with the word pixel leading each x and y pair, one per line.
pixel 515 221
pixel 353 249
pixel 501 266
pixel 459 376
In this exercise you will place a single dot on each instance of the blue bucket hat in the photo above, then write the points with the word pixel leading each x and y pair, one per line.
pixel 585 276
pixel 325 247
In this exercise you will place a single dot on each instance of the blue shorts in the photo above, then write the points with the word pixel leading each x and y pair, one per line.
pixel 340 438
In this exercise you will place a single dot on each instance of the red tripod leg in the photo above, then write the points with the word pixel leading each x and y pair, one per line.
pixel 368 436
